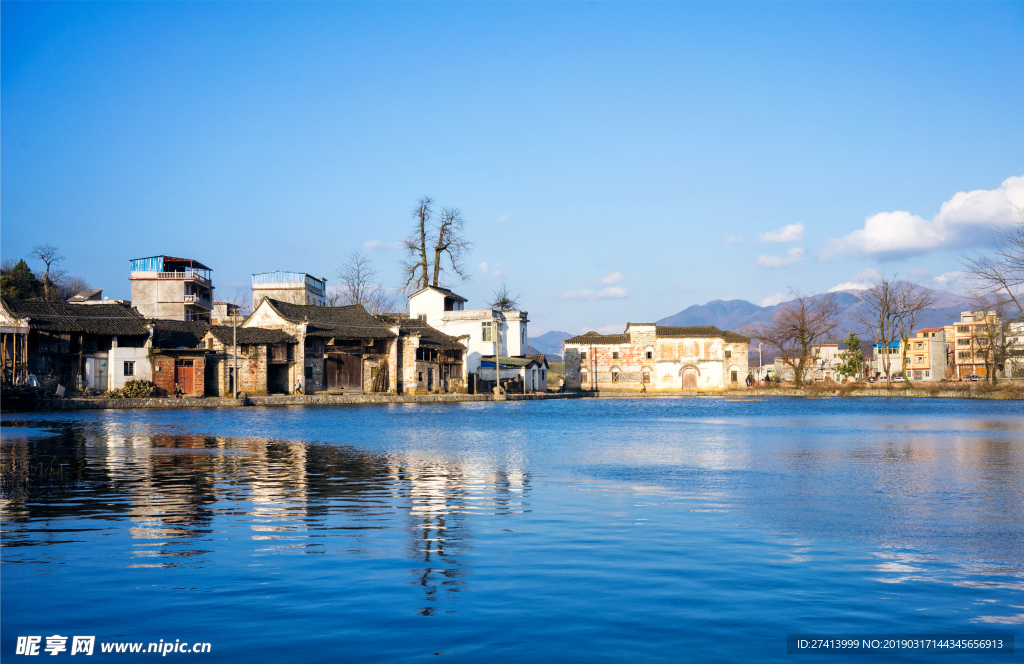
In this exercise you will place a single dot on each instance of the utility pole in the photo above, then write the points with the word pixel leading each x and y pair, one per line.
pixel 234 352
pixel 759 363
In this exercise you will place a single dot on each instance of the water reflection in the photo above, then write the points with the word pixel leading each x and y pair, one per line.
pixel 180 495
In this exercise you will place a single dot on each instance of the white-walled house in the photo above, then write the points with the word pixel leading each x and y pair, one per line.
pixel 445 311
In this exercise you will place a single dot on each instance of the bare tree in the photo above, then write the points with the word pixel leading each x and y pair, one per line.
pixel 49 255
pixel 414 266
pixel 889 312
pixel 911 302
pixel 358 284
pixel 504 300
pixel 1002 272
pixel 70 285
pixel 450 247
pixel 797 327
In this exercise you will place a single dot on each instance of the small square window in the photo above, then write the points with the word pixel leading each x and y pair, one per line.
pixel 650 354
pixel 583 355
pixel 728 354
pixel 129 368
pixel 615 354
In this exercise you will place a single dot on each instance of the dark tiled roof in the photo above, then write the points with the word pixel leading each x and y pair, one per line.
pixel 429 336
pixel 83 319
pixel 251 335
pixel 700 332
pixel 349 322
pixel 178 333
pixel 598 339
pixel 517 361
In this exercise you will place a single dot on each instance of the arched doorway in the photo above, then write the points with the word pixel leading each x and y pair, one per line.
pixel 689 375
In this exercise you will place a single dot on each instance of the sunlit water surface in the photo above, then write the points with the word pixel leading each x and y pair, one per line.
pixel 585 531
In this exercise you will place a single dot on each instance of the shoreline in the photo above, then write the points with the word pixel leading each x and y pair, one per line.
pixel 100 403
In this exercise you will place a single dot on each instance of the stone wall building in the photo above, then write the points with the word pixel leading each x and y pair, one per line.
pixel 338 349
pixel 657 357
pixel 171 288
pixel 266 361
pixel 429 361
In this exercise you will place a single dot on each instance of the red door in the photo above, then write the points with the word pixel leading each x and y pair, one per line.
pixel 183 375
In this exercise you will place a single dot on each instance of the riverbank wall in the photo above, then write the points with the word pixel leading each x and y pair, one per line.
pixel 101 403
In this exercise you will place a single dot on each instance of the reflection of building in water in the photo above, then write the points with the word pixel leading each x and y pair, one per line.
pixel 278 486
pixel 441 493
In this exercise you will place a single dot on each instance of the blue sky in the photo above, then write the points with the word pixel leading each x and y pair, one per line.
pixel 614 162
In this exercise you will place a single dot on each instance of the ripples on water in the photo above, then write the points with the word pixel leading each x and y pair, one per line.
pixel 660 529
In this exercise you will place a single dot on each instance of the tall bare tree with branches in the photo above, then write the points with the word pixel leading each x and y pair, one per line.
pixel 1002 272
pixel 49 255
pixel 425 262
pixel 796 328
pixel 889 312
pixel 358 284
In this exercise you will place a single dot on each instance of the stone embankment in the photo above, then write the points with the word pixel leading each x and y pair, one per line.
pixel 283 400
pixel 1016 392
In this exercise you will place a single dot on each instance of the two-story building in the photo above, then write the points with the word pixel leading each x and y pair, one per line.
pixel 291 287
pixel 655 357
pixel 486 331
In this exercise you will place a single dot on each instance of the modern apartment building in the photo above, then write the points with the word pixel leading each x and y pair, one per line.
pixel 170 288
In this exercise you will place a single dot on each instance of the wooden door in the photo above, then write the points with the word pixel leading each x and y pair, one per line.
pixel 689 379
pixel 352 372
pixel 183 375
pixel 332 373
pixel 430 380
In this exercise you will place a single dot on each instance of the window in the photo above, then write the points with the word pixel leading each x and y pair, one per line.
pixel 522 336
pixel 735 376
pixel 649 353
pixel 615 376
pixel 486 331
pixel 583 377
pixel 963 329
pixel 423 317
pixel 583 355
pixel 129 368
pixel 919 346
pixel 420 379
pixel 647 376
pixel 615 354
pixel 962 355
pixel 728 354
pixel 963 342
pixel 543 375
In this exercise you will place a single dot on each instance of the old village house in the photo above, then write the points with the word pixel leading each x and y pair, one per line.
pixel 337 349
pixel 657 358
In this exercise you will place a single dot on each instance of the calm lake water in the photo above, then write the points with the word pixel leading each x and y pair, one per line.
pixel 654 530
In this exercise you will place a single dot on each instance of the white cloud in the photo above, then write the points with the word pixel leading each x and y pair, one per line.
pixel 734 239
pixel 788 233
pixel 792 257
pixel 962 221
pixel 379 245
pixel 772 300
pixel 503 218
pixel 610 278
pixel 483 270
pixel 955 282
pixel 610 293
pixel 848 285
pixel 859 281
pixel 498 274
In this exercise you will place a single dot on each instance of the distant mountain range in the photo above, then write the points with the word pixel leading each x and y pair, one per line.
pixel 549 343
pixel 734 314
